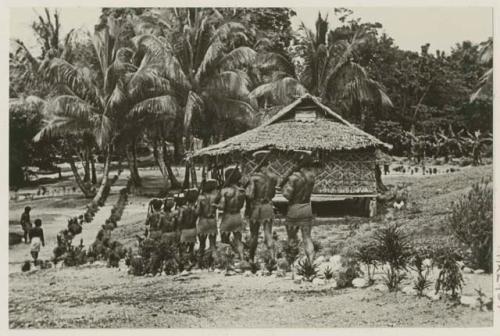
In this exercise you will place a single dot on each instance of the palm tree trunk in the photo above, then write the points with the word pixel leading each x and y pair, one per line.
pixel 86 165
pixel 105 177
pixel 92 166
pixel 81 184
pixel 174 184
pixel 132 165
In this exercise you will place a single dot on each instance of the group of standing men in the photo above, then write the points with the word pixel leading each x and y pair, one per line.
pixel 185 219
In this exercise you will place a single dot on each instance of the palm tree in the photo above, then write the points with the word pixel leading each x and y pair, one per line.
pixel 485 85
pixel 92 98
pixel 201 57
pixel 330 72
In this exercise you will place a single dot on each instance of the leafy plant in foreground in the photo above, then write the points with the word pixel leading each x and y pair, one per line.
pixel 471 221
pixel 392 247
pixel 307 269
pixel 450 277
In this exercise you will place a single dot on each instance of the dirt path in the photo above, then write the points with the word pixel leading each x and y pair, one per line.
pixel 54 213
pixel 102 297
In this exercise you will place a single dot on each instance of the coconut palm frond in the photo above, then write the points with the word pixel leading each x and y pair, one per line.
pixel 162 108
pixel 67 115
pixel 282 91
pixel 271 61
pixel 235 59
pixel 213 54
pixel 194 105
pixel 77 80
pixel 232 84
pixel 485 85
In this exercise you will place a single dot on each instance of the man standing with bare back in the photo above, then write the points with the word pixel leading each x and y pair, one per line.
pixel 231 203
pixel 297 188
pixel 260 192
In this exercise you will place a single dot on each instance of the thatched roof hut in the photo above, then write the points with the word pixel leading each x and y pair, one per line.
pixel 348 155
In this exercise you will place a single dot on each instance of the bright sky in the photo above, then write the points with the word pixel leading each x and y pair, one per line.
pixel 410 27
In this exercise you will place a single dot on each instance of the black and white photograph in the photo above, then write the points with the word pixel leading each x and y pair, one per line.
pixel 250 167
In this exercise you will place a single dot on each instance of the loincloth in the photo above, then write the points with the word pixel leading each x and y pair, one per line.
pixel 155 234
pixel 299 215
pixel 207 226
pixel 169 238
pixel 262 212
pixel 188 236
pixel 36 244
pixel 231 223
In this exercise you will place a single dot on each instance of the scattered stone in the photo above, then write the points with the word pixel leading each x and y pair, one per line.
pixel 359 283
pixel 432 295
pixel 381 288
pixel 336 259
pixel 320 260
pixel 331 283
pixel 185 273
pixel 317 281
pixel 259 273
pixel 247 274
pixel 479 271
pixel 281 299
pixel 467 270
pixel 229 273
pixel 469 300
pixel 217 270
pixel 409 290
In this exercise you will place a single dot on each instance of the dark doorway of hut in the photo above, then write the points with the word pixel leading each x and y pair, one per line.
pixel 352 207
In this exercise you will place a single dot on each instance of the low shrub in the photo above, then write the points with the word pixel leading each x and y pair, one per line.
pixel 422 282
pixel 392 247
pixel 450 277
pixel 328 273
pixel 471 221
pixel 349 271
pixel 307 269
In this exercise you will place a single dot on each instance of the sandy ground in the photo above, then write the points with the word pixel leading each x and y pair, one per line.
pixel 96 296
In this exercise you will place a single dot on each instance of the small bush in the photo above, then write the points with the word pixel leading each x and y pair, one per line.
pixel 450 277
pixel 268 260
pixel 392 247
pixel 422 282
pixel 328 273
pixel 307 269
pixel 317 246
pixel 471 221
pixel 350 270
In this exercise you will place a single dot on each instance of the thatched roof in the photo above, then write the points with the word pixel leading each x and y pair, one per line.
pixel 328 132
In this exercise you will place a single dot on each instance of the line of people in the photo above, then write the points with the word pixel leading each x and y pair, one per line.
pixel 182 220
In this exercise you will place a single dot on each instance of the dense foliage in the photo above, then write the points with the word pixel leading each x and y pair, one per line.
pixel 162 77
pixel 471 221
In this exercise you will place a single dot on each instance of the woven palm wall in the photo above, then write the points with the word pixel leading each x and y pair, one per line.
pixel 340 172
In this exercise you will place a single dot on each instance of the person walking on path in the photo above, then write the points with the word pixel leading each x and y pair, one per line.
pixel 37 240
pixel 26 223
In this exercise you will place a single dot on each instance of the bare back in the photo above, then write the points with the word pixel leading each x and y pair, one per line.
pixel 233 199
pixel 299 187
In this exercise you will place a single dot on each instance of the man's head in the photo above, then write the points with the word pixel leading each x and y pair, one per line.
pixel 191 195
pixel 168 204
pixel 38 222
pixel 27 209
pixel 232 175
pixel 179 199
pixel 156 204
pixel 209 185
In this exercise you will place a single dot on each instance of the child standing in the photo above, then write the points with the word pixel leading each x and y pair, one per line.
pixel 36 239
